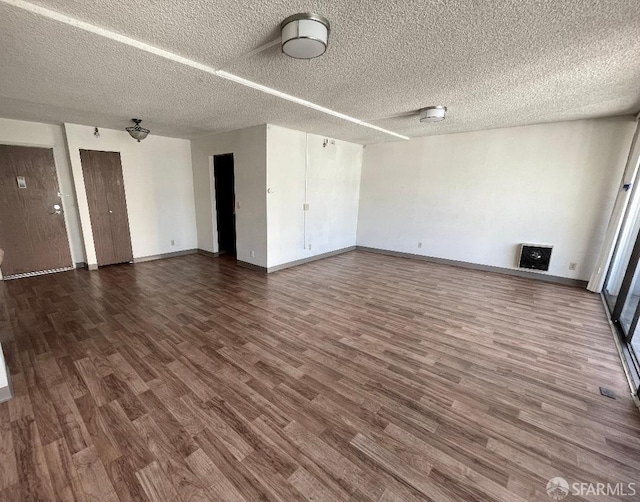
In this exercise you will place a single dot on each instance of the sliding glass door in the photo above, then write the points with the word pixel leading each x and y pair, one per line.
pixel 635 346
pixel 622 292
pixel 622 253
pixel 622 283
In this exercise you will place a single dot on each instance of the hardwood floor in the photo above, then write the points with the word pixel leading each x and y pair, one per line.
pixel 356 378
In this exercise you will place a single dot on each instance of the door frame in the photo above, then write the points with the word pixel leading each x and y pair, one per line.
pixel 57 152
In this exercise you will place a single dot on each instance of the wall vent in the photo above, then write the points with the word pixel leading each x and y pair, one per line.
pixel 535 256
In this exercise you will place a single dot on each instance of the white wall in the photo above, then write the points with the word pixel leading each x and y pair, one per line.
pixel 158 183
pixel 332 192
pixel 17 132
pixel 249 155
pixel 5 388
pixel 476 196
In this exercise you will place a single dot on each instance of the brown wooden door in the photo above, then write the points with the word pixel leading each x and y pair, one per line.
pixel 32 231
pixel 107 206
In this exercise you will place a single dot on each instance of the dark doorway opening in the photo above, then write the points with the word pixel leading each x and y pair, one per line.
pixel 225 203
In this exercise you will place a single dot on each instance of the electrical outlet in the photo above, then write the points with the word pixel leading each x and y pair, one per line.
pixel 173 243
pixel 305 207
pixel 419 244
pixel 253 254
pixel 572 265
pixel 309 247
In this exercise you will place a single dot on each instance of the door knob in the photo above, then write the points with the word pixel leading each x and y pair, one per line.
pixel 57 209
pixel 110 211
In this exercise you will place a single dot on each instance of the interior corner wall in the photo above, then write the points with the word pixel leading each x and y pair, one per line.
pixel 18 132
pixel 158 185
pixel 321 172
pixel 475 197
pixel 249 156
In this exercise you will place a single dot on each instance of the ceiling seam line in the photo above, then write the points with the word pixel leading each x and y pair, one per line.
pixel 247 55
pixel 171 56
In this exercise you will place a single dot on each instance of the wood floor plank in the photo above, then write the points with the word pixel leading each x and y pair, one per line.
pixel 101 436
pixel 45 414
pixel 181 441
pixel 72 378
pixel 233 442
pixel 280 460
pixel 127 373
pixel 187 484
pixel 14 492
pixel 122 474
pixel 92 380
pixel 458 472
pixel 93 476
pixel 33 474
pixel 358 378
pixel 310 488
pixel 125 435
pixel 9 471
pixel 279 437
pixel 237 474
pixel 64 476
pixel 333 461
pixel 220 488
pixel 73 427
pixel 271 480
pixel 20 407
pixel 156 485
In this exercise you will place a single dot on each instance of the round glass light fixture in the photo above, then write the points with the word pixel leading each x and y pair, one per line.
pixel 433 113
pixel 305 35
pixel 137 132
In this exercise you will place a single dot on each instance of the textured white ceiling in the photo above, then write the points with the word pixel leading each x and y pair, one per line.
pixel 493 63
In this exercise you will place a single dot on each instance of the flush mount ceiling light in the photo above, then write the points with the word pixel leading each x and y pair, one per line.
pixel 137 132
pixel 305 35
pixel 433 113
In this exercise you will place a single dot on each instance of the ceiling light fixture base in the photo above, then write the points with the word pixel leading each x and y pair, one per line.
pixel 433 113
pixel 305 35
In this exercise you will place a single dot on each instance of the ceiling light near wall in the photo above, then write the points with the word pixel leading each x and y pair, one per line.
pixel 137 132
pixel 433 113
pixel 305 35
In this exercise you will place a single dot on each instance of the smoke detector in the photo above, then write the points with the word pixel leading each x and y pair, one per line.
pixel 305 35
pixel 433 113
